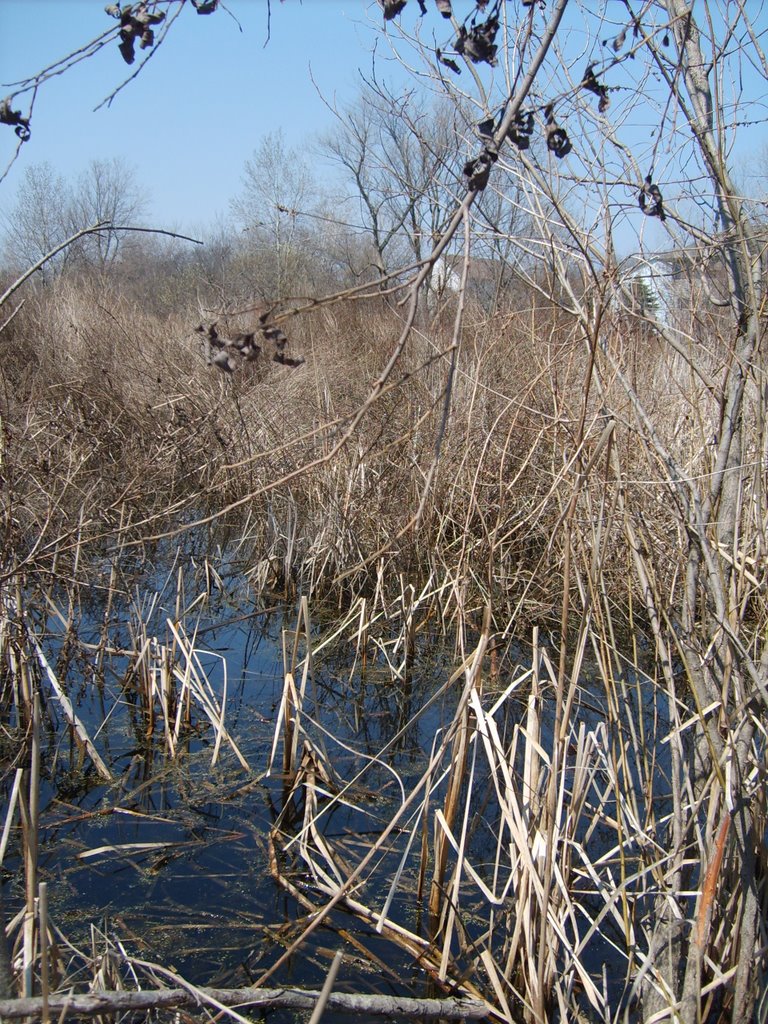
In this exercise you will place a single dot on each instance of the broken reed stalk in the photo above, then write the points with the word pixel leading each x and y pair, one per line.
pixel 78 729
pixel 6 965
pixel 30 814
pixel 44 966
pixel 322 999
pixel 456 780
pixel 194 680
pixel 407 599
pixel 417 947
pixel 361 648
pixel 10 811
pixel 293 699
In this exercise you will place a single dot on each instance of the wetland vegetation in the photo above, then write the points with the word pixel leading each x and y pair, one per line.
pixel 345 606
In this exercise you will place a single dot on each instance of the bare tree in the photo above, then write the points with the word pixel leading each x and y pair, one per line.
pixel 278 195
pixel 401 160
pixel 108 192
pixel 39 219
pixel 48 210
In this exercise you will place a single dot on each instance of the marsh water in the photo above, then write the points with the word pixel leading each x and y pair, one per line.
pixel 170 859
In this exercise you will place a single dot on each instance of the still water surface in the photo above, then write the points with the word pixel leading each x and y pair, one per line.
pixel 171 858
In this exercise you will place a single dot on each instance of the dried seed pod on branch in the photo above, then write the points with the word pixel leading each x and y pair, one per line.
pixel 556 136
pixel 448 62
pixel 477 43
pixel 136 22
pixel 477 171
pixel 392 8
pixel 15 119
pixel 650 199
pixel 521 129
pixel 591 84
pixel 228 351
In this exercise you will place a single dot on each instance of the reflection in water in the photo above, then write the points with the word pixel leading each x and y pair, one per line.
pixel 172 856
pixel 202 859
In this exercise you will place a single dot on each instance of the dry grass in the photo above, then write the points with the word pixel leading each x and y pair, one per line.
pixel 565 806
pixel 112 422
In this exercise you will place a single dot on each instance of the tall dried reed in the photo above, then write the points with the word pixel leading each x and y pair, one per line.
pixel 570 805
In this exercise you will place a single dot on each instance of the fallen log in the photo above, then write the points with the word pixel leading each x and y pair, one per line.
pixel 88 1004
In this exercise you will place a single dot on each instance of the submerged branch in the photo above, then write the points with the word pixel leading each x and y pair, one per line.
pixel 94 1003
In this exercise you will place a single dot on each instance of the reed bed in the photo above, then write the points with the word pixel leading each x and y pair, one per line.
pixel 521 865
pixel 518 862
pixel 570 827
pixel 117 432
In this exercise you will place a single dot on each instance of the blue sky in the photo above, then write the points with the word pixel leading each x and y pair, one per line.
pixel 199 108
pixel 209 95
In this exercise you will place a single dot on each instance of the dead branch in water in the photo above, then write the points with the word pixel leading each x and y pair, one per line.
pixel 94 1003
